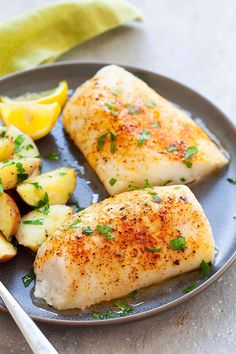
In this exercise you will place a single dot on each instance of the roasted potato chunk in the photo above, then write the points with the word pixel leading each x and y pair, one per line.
pixel 6 145
pixel 9 216
pixel 24 145
pixel 56 186
pixel 13 172
pixel 7 250
pixel 36 226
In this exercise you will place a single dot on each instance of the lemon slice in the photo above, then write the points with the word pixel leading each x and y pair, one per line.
pixel 58 94
pixel 32 118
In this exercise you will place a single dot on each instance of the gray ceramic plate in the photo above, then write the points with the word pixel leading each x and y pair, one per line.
pixel 215 194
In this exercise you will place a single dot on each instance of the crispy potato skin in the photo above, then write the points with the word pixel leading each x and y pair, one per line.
pixel 9 216
pixel 7 250
pixel 95 110
pixel 91 268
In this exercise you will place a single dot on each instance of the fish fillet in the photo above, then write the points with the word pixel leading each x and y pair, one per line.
pixel 121 244
pixel 129 133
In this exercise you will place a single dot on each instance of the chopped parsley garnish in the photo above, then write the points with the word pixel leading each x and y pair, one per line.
pixel 28 278
pixel 75 203
pixel 101 140
pixel 21 177
pixel 52 156
pixel 20 167
pixel 112 181
pixel 1 186
pixel 113 142
pixel 150 103
pixel 205 269
pixel 178 243
pixel 3 134
pixel 87 230
pixel 192 150
pixel 104 229
pixel 191 287
pixel 34 222
pixel 62 174
pixel 74 225
pixel 122 306
pixel 109 236
pixel 155 124
pixel 156 199
pixel 43 204
pixel 172 148
pixel 116 91
pixel 36 185
pixel 152 193
pixel 43 201
pixel 112 108
pixel 146 185
pixel 145 135
pixel 28 147
pixel 151 249
pixel 18 143
pixel 182 179
pixel 231 180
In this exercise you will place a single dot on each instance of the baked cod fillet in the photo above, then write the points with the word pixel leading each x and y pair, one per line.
pixel 129 133
pixel 123 243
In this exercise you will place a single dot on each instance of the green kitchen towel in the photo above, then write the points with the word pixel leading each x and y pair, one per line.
pixel 42 35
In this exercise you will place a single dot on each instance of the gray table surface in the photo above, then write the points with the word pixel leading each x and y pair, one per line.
pixel 192 41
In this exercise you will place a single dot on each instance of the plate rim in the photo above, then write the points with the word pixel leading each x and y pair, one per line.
pixel 162 308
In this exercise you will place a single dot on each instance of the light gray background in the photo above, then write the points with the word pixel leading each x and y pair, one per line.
pixel 193 41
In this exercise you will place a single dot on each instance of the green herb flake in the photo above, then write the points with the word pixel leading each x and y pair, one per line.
pixel 52 156
pixel 177 187
pixel 172 148
pixel 101 140
pixel 75 203
pixel 36 185
pixel 146 185
pixel 87 230
pixel 182 179
pixel 110 236
pixel 21 177
pixel 144 136
pixel 113 142
pixel 18 143
pixel 28 147
pixel 151 249
pixel 111 107
pixel 150 103
pixel 74 225
pixel 178 243
pixel 116 91
pixel 205 269
pixel 155 124
pixel 62 174
pixel 33 222
pixel 152 193
pixel 231 180
pixel 156 199
pixel 167 182
pixel 1 186
pixel 104 229
pixel 43 201
pixel 189 153
pixel 20 167
pixel 190 288
pixel 112 181
pixel 122 306
pixel 28 278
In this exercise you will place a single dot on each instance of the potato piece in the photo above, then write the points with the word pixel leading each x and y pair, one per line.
pixel 13 172
pixel 24 145
pixel 7 250
pixel 57 185
pixel 6 148
pixel 35 226
pixel 9 216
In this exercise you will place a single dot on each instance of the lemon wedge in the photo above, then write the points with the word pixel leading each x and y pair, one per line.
pixel 32 118
pixel 58 94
